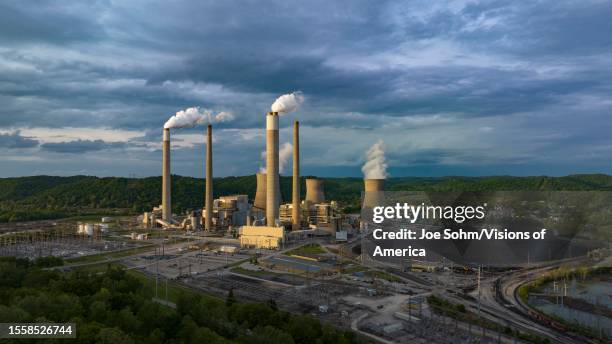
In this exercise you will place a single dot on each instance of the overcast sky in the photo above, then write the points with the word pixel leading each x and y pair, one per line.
pixel 452 87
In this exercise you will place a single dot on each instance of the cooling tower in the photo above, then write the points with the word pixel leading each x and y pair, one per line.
pixel 272 180
pixel 166 193
pixel 295 212
pixel 314 191
pixel 208 201
pixel 374 193
pixel 260 194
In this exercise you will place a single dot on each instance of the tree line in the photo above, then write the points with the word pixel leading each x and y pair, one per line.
pixel 49 197
pixel 115 307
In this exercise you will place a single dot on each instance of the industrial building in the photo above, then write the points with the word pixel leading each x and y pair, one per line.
pixel 228 212
pixel 262 237
pixel 92 229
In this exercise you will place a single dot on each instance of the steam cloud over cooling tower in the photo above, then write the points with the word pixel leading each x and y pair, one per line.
pixel 194 115
pixel 375 166
pixel 284 154
pixel 288 102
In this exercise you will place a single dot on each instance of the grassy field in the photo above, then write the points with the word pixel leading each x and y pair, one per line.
pixel 311 249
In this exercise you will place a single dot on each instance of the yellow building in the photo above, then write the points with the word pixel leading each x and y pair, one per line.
pixel 262 237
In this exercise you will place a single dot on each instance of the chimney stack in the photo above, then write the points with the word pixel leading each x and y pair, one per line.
pixel 314 191
pixel 272 179
pixel 295 213
pixel 166 182
pixel 208 201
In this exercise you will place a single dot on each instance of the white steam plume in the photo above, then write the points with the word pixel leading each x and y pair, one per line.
pixel 288 102
pixel 285 152
pixel 194 115
pixel 375 166
pixel 223 116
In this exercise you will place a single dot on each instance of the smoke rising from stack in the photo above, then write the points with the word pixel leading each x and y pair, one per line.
pixel 194 115
pixel 284 154
pixel 375 166
pixel 288 102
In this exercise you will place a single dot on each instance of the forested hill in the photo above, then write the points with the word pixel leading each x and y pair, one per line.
pixel 39 197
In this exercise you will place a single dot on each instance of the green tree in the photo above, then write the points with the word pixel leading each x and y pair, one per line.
pixel 230 298
pixel 111 335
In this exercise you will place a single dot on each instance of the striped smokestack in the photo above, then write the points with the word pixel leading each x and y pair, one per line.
pixel 295 213
pixel 272 179
pixel 166 182
pixel 208 201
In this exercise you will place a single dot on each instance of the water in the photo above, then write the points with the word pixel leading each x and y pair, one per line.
pixel 593 292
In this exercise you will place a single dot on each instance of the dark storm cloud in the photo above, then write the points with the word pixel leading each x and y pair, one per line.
pixel 80 146
pixel 15 140
pixel 56 22
pixel 363 66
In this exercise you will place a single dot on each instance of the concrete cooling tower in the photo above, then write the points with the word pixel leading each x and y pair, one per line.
pixel 374 193
pixel 260 194
pixel 166 182
pixel 314 191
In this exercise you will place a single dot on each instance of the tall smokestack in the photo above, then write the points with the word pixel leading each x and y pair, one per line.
pixel 295 213
pixel 374 193
pixel 166 182
pixel 208 202
pixel 314 191
pixel 272 179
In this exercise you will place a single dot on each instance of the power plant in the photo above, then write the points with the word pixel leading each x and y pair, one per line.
pixel 309 255
pixel 323 265
pixel 265 222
